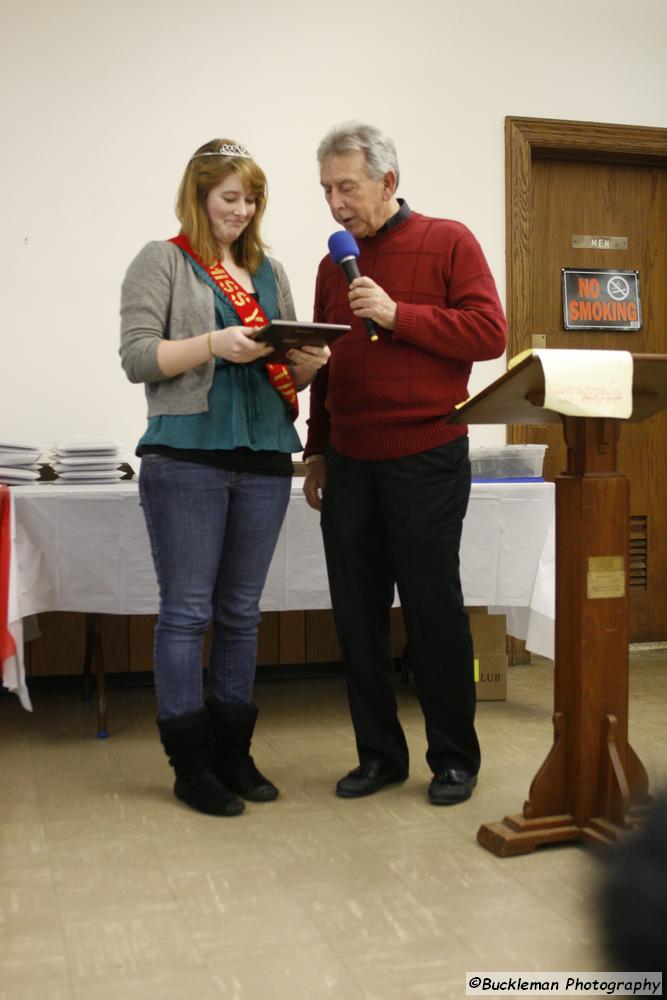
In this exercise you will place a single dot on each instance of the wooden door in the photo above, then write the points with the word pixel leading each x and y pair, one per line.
pixel 577 178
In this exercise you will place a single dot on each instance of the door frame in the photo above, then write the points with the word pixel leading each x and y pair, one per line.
pixel 527 139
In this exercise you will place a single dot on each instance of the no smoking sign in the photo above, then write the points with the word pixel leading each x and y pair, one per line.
pixel 601 300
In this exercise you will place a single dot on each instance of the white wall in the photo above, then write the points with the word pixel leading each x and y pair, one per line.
pixel 104 102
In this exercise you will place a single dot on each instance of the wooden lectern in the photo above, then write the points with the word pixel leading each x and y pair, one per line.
pixel 591 780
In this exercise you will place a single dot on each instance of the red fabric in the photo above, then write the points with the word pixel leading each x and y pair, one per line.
pixel 387 399
pixel 7 645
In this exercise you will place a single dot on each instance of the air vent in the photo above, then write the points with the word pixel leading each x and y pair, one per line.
pixel 639 552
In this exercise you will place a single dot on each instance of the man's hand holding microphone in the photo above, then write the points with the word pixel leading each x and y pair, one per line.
pixel 367 300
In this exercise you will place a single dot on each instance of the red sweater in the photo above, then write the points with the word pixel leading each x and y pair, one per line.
pixel 387 399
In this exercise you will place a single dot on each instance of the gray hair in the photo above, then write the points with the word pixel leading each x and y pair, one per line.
pixel 378 148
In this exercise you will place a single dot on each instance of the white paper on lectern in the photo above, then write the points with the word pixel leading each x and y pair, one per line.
pixel 587 383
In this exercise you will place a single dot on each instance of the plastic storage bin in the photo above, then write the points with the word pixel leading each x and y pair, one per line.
pixel 510 461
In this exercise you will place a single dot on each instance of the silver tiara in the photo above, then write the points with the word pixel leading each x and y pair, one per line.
pixel 229 149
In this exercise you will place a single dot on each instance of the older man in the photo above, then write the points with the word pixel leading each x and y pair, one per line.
pixel 391 478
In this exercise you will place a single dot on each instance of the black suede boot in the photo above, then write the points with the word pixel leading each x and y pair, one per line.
pixel 188 742
pixel 233 726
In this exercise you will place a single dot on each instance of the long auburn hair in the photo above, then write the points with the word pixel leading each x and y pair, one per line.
pixel 201 175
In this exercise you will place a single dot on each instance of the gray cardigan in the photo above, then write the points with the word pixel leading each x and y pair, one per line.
pixel 162 296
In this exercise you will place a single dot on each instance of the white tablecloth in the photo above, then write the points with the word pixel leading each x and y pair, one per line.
pixel 85 548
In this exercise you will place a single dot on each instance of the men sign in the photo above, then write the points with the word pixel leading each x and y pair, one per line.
pixel 601 300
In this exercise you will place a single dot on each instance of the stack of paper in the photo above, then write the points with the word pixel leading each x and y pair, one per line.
pixel 19 459
pixel 87 460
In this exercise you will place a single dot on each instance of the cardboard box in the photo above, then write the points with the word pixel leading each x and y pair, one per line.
pixel 490 646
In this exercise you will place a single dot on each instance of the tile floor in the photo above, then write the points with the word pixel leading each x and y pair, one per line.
pixel 110 889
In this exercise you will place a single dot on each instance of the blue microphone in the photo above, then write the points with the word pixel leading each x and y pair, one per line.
pixel 344 251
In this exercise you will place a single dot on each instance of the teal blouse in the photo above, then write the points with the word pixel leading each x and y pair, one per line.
pixel 244 410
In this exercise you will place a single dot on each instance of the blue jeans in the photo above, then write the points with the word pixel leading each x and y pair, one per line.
pixel 212 533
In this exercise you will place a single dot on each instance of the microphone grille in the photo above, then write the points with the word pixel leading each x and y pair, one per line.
pixel 342 244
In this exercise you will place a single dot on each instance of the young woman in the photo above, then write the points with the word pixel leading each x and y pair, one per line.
pixel 215 462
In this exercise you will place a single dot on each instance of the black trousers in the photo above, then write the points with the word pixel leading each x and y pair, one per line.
pixel 399 521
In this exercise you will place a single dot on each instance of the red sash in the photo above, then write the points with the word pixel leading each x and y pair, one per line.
pixel 251 314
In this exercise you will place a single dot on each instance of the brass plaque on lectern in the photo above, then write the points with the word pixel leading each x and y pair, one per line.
pixel 606 577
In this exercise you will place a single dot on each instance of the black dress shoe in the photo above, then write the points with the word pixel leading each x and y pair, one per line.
pixel 368 778
pixel 451 786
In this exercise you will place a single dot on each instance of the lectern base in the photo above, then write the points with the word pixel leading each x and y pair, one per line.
pixel 517 835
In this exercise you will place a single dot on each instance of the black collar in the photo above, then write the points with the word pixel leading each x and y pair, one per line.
pixel 403 213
